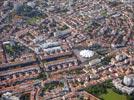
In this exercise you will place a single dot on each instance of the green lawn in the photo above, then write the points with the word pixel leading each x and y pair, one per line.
pixel 111 95
pixel 33 20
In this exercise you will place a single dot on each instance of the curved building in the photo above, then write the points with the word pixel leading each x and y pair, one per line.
pixel 86 53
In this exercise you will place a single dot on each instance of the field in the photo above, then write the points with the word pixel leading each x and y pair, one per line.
pixel 111 95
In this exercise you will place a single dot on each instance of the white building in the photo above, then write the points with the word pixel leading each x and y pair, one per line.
pixel 8 96
pixel 126 85
pixel 86 53
pixel 127 1
pixel 31 4
pixel 124 1
pixel 129 80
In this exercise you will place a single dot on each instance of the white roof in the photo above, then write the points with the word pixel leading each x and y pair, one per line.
pixel 7 94
pixel 86 53
pixel 31 4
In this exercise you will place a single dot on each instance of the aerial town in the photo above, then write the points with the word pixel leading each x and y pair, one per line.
pixel 66 49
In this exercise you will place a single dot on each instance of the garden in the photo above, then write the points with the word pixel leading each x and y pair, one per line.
pixel 106 91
